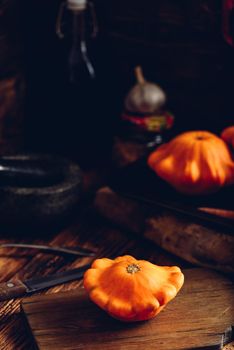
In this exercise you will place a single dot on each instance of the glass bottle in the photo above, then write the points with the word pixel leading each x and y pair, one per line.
pixel 79 63
pixel 81 86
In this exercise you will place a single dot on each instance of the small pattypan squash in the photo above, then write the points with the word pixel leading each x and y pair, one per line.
pixel 195 162
pixel 228 135
pixel 132 290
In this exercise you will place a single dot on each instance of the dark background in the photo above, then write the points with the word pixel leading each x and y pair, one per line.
pixel 179 44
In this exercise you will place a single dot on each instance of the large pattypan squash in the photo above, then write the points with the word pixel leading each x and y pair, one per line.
pixel 132 290
pixel 228 135
pixel 195 162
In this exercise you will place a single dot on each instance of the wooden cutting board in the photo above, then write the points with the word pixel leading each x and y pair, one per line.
pixel 198 318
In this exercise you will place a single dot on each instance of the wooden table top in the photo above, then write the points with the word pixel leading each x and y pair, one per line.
pixel 88 230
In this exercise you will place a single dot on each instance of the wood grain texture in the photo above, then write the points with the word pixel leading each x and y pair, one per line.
pixel 187 239
pixel 196 318
pixel 229 346
pixel 88 230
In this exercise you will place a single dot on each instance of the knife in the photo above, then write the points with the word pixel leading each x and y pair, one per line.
pixel 178 208
pixel 79 251
pixel 17 288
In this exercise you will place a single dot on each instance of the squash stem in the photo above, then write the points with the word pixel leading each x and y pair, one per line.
pixel 133 268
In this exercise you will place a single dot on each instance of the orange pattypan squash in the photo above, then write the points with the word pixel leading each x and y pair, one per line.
pixel 195 162
pixel 228 135
pixel 132 290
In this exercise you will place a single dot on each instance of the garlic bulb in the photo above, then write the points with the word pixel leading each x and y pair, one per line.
pixel 145 97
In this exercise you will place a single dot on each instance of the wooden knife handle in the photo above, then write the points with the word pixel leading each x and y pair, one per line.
pixel 12 289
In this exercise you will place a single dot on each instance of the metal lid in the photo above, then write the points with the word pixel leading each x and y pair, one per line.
pixel 75 5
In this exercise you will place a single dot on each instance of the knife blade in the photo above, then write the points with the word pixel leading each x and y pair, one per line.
pixel 79 251
pixel 17 288
pixel 178 208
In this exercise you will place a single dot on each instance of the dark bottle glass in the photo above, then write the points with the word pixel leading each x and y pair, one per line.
pixel 81 97
pixel 80 66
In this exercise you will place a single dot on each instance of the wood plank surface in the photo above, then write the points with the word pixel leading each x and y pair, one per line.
pixel 87 229
pixel 196 319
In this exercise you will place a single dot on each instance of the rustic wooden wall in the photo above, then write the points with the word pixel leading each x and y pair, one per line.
pixel 12 82
pixel 179 43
